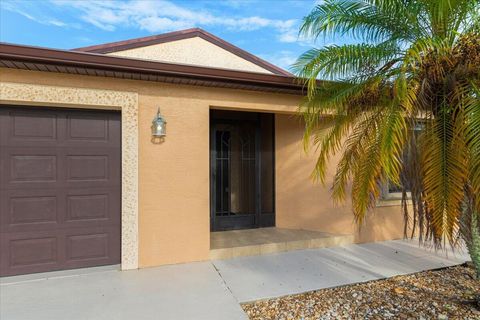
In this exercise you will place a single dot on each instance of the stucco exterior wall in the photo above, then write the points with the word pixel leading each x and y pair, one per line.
pixel 173 176
pixel 305 205
pixel 194 51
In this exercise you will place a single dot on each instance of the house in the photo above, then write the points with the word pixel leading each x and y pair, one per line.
pixel 83 182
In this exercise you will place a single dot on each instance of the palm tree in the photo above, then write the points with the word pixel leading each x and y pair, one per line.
pixel 403 107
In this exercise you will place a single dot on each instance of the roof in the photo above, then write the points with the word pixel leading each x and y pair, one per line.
pixel 97 64
pixel 180 35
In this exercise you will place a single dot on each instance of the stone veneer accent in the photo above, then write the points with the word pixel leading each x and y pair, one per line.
pixel 127 102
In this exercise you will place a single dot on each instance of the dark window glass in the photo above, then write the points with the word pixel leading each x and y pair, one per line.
pixel 394 188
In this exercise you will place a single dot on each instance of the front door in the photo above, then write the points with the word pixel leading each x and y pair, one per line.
pixel 241 170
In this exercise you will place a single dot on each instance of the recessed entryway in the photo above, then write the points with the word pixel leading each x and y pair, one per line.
pixel 60 189
pixel 242 170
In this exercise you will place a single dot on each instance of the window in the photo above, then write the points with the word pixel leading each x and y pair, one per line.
pixel 392 191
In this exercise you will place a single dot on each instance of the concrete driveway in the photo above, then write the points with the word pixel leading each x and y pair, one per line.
pixel 207 290
pixel 187 291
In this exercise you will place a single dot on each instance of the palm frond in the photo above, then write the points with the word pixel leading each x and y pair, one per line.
pixel 419 67
pixel 345 61
pixel 364 20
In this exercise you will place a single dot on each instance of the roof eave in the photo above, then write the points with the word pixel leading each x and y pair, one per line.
pixel 29 54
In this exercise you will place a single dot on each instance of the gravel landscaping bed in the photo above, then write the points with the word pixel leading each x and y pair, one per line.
pixel 440 294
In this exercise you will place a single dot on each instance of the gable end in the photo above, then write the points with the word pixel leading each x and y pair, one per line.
pixel 180 35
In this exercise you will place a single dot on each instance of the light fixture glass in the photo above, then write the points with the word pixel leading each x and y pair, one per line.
pixel 159 125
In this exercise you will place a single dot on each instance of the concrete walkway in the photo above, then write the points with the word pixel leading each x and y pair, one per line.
pixel 262 277
pixel 207 290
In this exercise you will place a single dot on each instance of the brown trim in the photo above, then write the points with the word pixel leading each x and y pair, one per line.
pixel 179 35
pixel 35 58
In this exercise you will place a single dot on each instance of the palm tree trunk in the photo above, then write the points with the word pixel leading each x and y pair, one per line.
pixel 474 243
pixel 470 231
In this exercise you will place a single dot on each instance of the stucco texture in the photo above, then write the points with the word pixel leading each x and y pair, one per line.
pixel 194 51
pixel 173 175
pixel 304 204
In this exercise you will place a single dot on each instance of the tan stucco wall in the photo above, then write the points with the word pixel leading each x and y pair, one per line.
pixel 173 176
pixel 303 204
pixel 194 51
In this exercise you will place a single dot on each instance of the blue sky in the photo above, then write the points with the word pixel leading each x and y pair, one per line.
pixel 267 28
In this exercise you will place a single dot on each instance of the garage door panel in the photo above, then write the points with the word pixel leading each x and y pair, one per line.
pixel 33 251
pixel 60 189
pixel 87 247
pixel 95 207
pixel 42 209
pixel 87 167
pixel 31 209
pixel 29 127
pixel 86 127
pixel 33 168
pixel 87 207
pixel 25 167
pixel 83 129
pixel 90 247
pixel 92 167
pixel 24 252
pixel 32 126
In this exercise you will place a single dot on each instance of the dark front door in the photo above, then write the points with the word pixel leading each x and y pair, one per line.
pixel 241 170
pixel 59 189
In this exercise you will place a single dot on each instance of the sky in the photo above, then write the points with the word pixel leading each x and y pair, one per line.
pixel 266 28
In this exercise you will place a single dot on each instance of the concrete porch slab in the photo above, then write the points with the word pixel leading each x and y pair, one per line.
pixel 187 291
pixel 252 242
pixel 269 276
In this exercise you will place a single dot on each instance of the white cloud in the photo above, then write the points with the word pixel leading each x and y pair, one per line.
pixel 290 35
pixel 155 24
pixel 153 16
pixel 236 3
pixel 23 8
pixel 57 23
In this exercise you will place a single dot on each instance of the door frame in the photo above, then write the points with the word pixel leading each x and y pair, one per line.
pixel 243 221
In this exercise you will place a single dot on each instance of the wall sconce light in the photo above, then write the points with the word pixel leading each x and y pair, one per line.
pixel 159 124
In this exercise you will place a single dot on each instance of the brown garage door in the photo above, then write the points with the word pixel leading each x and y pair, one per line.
pixel 59 189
